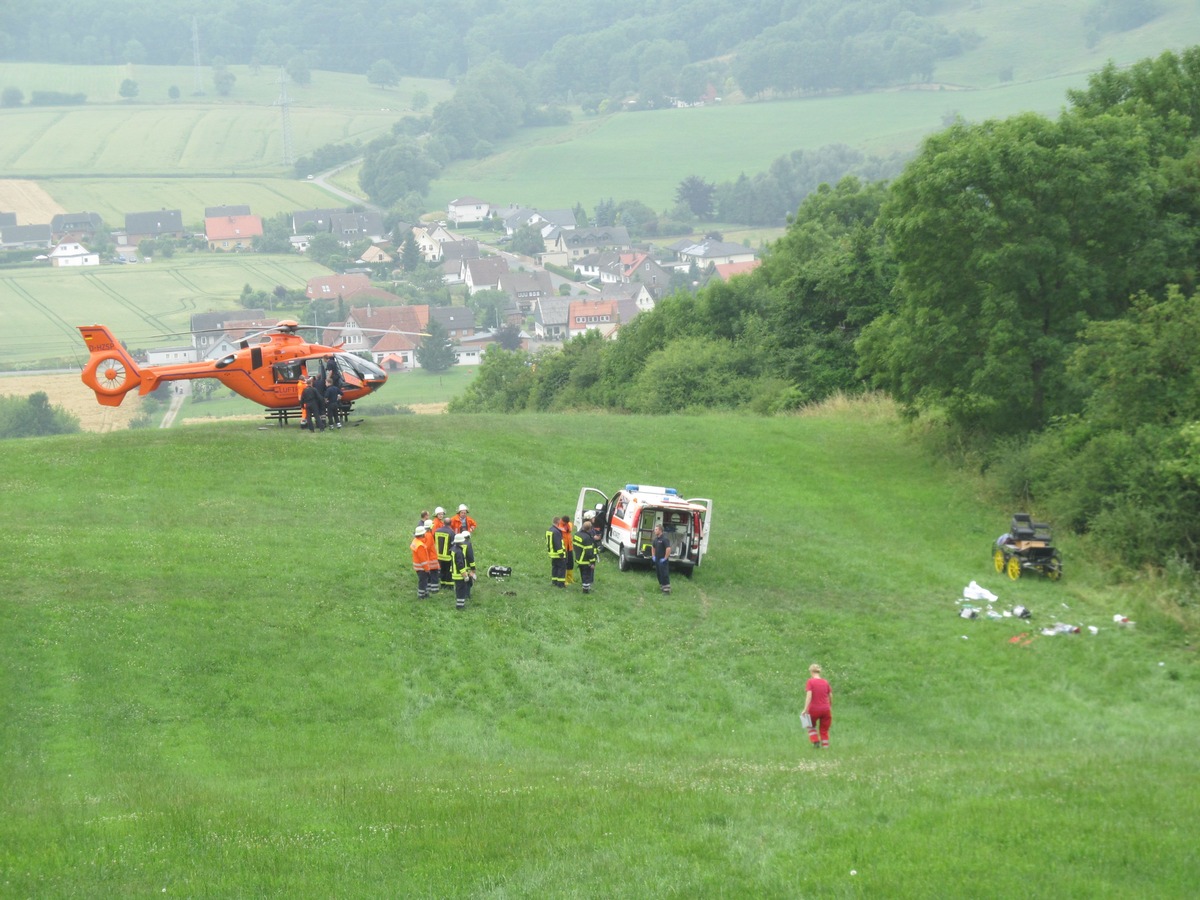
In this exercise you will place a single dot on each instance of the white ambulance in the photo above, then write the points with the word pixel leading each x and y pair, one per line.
pixel 628 517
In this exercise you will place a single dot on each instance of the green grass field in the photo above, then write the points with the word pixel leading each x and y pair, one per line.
pixel 217 680
pixel 141 303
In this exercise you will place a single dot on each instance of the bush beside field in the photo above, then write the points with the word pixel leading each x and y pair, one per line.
pixel 219 681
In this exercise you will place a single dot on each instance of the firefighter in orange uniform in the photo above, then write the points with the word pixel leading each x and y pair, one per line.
pixel 420 561
pixel 461 521
pixel 432 566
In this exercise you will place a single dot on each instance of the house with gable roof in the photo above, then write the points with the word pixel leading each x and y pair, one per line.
pixel 314 221
pixel 330 287
pixel 550 316
pixel 25 237
pixel 76 226
pixel 565 245
pixel 351 227
pixel 459 321
pixel 483 274
pixel 526 288
pixel 712 252
pixel 150 226
pixel 227 233
pixel 467 210
pixel 589 315
pixel 207 327
pixel 70 254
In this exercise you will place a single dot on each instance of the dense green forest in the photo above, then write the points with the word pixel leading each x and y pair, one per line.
pixel 1027 286
pixel 610 48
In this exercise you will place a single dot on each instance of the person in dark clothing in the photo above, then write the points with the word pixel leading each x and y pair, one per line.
pixel 586 543
pixel 333 401
pixel 660 553
pixel 443 542
pixel 460 572
pixel 557 553
pixel 312 406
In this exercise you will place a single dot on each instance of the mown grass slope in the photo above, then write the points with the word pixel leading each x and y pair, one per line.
pixel 217 681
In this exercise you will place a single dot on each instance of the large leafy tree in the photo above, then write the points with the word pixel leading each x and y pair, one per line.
pixel 697 195
pixel 828 277
pixel 1009 236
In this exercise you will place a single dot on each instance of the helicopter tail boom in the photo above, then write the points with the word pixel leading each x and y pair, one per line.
pixel 110 371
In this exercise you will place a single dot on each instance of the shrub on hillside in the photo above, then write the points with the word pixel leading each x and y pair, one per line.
pixel 33 416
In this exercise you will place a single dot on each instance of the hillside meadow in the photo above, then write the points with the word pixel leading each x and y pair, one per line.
pixel 217 680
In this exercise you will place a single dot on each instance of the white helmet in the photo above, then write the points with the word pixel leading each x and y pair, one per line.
pixel 460 538
pixel 429 523
pixel 462 507
pixel 439 512
pixel 418 531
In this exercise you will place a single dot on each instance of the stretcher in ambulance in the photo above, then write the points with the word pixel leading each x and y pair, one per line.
pixel 628 517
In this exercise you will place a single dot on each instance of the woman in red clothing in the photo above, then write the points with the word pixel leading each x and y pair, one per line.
pixel 818 699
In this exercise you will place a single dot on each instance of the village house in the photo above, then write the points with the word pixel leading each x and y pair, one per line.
pixel 208 327
pixel 228 233
pixel 711 252
pixel 25 237
pixel 375 256
pixel 314 221
pixel 454 255
pixel 350 228
pixel 526 287
pixel 565 245
pixel 70 254
pixel 483 274
pixel 550 318
pixel 330 287
pixel 467 210
pixel 589 315
pixel 150 226
pixel 459 321
pixel 725 271
pixel 75 226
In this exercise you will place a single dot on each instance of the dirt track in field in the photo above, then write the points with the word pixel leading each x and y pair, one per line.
pixel 32 205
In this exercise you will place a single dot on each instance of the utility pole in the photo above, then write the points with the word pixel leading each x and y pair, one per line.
pixel 286 118
pixel 198 81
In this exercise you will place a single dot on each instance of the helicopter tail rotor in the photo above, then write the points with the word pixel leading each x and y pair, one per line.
pixel 110 370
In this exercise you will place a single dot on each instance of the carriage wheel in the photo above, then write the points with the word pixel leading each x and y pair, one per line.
pixel 1014 567
pixel 1054 570
pixel 998 559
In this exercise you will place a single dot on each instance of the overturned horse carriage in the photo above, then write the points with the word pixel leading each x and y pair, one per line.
pixel 1028 546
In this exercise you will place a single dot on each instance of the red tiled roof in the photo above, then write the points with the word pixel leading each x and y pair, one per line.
pixel 230 228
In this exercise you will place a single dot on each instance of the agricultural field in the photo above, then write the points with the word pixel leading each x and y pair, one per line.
pixel 606 157
pixel 141 303
pixel 200 704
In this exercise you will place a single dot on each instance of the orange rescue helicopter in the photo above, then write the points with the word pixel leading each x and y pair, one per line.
pixel 270 372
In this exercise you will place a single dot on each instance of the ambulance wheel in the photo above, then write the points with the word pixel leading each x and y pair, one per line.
pixel 622 561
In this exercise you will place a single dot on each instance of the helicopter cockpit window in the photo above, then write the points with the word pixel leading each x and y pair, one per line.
pixel 293 370
pixel 362 368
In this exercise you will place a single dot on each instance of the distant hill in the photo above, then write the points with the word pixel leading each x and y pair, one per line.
pixel 573 52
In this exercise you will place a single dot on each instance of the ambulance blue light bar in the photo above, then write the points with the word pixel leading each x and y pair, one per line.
pixel 638 487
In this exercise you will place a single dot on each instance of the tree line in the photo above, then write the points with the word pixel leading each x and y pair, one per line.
pixel 571 52
pixel 1026 285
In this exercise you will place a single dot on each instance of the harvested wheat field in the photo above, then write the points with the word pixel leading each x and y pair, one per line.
pixel 65 390
pixel 32 205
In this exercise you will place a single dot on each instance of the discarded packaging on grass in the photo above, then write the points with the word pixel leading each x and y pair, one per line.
pixel 974 592
pixel 1123 621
